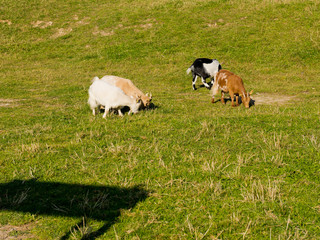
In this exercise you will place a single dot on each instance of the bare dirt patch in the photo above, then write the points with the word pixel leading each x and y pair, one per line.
pixel 84 21
pixel 16 232
pixel 8 102
pixel 5 21
pixel 103 33
pixel 147 24
pixel 41 24
pixel 271 99
pixel 61 32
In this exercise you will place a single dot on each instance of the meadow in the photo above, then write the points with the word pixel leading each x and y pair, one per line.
pixel 185 169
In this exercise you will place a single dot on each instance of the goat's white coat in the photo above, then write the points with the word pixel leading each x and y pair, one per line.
pixel 110 79
pixel 109 96
pixel 212 68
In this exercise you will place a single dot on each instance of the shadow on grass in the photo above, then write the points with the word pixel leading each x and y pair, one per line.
pixel 251 103
pixel 203 86
pixel 102 203
pixel 126 109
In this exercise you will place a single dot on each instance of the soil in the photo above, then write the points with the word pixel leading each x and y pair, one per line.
pixel 8 102
pixel 271 99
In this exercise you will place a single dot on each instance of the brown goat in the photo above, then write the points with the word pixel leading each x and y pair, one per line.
pixel 230 83
pixel 129 88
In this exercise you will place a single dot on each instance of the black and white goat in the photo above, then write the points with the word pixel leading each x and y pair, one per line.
pixel 204 68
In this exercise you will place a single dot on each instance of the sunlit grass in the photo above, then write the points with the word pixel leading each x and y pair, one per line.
pixel 213 171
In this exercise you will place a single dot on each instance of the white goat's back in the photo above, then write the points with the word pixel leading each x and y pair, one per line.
pixel 110 79
pixel 124 84
pixel 108 95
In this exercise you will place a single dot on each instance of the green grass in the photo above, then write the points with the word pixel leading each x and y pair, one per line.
pixel 210 171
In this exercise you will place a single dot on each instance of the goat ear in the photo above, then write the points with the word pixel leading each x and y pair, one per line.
pixel 150 95
pixel 251 92
pixel 147 94
pixel 95 79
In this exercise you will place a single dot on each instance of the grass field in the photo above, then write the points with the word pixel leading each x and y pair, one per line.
pixel 186 169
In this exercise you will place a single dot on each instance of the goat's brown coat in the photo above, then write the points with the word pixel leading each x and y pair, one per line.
pixel 128 88
pixel 230 83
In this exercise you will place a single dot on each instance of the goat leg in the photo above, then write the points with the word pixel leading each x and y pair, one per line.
pixel 222 97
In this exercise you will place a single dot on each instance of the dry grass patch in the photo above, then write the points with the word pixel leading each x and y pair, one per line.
pixel 147 24
pixel 104 33
pixel 41 24
pixel 16 232
pixel 84 21
pixel 8 102
pixel 30 148
pixel 256 191
pixel 61 32
pixel 5 21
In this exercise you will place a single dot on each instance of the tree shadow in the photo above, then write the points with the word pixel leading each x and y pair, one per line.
pixel 102 203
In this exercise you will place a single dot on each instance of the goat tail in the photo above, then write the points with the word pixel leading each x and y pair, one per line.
pixel 190 69
pixel 95 79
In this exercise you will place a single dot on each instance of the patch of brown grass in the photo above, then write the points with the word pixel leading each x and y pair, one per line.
pixel 8 102
pixel 20 232
pixel 5 21
pixel 41 24
pixel 61 32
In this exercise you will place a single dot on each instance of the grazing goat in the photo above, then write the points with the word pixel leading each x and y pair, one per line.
pixel 204 68
pixel 230 83
pixel 109 96
pixel 128 88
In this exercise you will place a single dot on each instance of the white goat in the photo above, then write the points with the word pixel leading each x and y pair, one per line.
pixel 109 96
